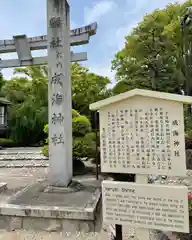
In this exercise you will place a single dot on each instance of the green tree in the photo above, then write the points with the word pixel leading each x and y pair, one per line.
pixel 29 111
pixel 26 121
pixel 2 83
pixel 87 87
pixel 17 89
pixel 29 95
pixel 38 79
pixel 152 56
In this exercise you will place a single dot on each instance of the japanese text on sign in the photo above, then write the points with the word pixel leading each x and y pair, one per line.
pixel 143 140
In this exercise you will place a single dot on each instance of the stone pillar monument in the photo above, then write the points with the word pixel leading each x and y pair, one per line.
pixel 60 102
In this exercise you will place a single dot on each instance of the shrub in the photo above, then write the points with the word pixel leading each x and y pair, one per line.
pixel 188 132
pixel 75 113
pixel 26 121
pixel 84 146
pixel 46 128
pixel 45 150
pixel 190 201
pixel 83 138
pixel 4 142
pixel 78 167
pixel 81 126
pixel 188 142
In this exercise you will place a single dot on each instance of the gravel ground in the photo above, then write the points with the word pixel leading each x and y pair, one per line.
pixel 185 181
pixel 23 235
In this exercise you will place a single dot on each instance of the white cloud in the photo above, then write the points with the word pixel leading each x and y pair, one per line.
pixel 8 72
pixel 98 10
pixel 180 1
pixel 103 71
pixel 136 6
pixel 73 25
pixel 116 38
pixel 121 33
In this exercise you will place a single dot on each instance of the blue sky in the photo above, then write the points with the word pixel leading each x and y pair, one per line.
pixel 115 20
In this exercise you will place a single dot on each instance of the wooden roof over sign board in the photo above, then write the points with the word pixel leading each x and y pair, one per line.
pixel 141 93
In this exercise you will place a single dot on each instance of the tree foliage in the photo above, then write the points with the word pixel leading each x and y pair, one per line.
pixel 28 94
pixel 87 87
pixel 29 111
pixel 153 54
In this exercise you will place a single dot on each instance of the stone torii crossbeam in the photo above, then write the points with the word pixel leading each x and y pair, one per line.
pixel 58 41
pixel 23 47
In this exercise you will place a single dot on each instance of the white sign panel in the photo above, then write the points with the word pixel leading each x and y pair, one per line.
pixel 143 135
pixel 146 206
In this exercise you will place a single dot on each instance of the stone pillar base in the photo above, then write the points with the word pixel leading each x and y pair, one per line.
pixel 45 208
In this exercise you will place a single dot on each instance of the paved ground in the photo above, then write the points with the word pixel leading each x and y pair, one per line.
pixel 16 180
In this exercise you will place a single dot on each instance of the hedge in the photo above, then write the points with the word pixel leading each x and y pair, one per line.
pixel 81 126
pixel 4 142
